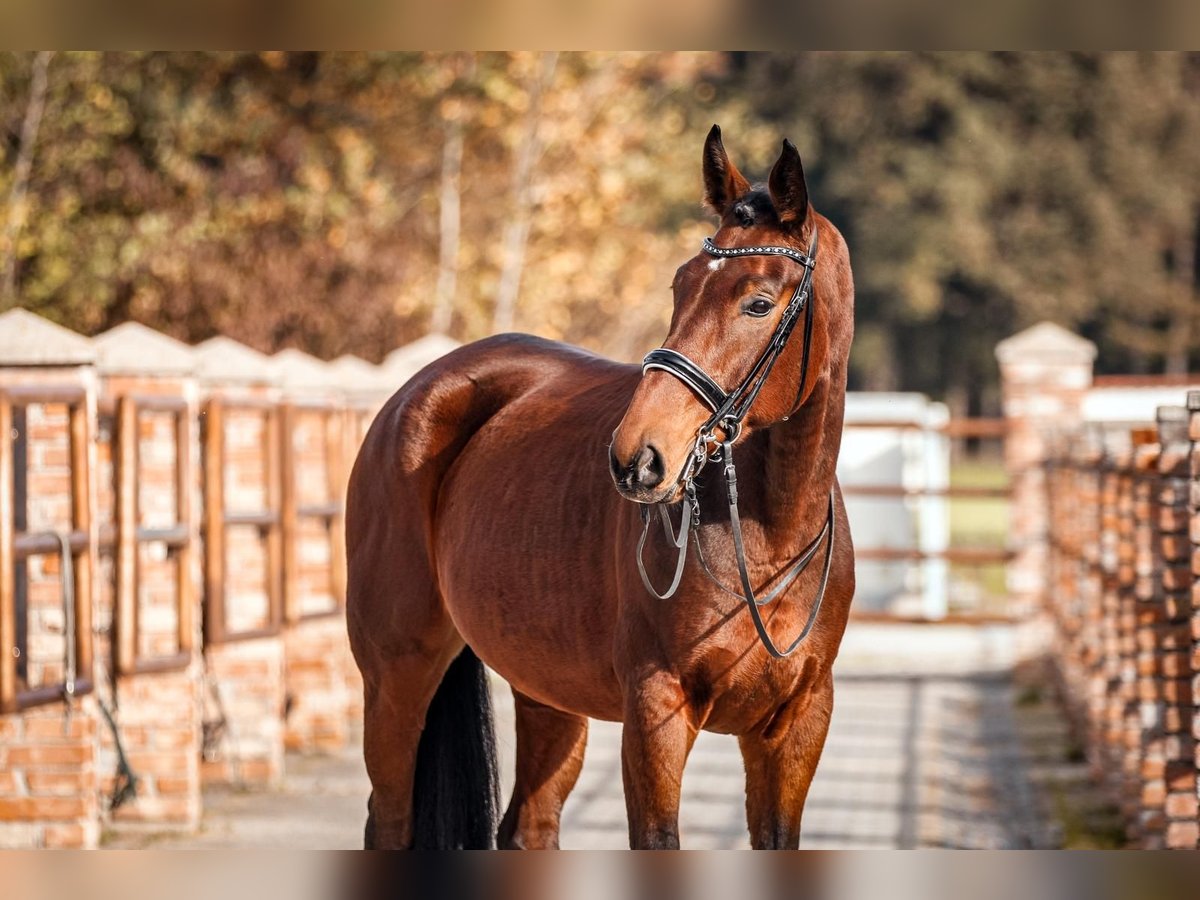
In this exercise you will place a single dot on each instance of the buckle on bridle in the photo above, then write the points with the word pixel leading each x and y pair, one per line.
pixel 732 428
pixel 706 438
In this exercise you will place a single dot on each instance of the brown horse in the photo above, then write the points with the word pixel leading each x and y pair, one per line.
pixel 482 524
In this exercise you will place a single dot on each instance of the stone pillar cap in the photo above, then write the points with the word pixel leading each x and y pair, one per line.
pixel 1046 343
pixel 222 359
pixel 355 375
pixel 404 362
pixel 27 339
pixel 133 349
pixel 300 371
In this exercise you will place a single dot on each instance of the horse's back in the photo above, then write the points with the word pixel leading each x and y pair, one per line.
pixel 439 409
pixel 415 440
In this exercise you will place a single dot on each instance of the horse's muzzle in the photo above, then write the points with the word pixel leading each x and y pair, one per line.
pixel 639 478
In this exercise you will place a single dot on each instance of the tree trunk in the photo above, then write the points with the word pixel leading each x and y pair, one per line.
pixel 1183 306
pixel 21 172
pixel 516 232
pixel 450 201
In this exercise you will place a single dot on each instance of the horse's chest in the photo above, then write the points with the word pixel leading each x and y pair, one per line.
pixel 736 688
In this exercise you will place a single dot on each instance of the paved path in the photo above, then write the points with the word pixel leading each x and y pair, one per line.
pixel 923 752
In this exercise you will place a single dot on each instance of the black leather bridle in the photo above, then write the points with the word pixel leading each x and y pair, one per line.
pixel 729 410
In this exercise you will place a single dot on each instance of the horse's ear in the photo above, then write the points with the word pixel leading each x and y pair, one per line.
pixel 723 183
pixel 789 193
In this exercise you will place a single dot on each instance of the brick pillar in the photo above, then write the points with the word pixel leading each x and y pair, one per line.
pixel 1127 704
pixel 244 697
pixel 1151 624
pixel 151 595
pixel 316 643
pixel 1045 372
pixel 48 737
pixel 1175 669
pixel 1193 405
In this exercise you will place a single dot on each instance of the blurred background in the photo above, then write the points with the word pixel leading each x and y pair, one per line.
pixel 1022 474
pixel 351 202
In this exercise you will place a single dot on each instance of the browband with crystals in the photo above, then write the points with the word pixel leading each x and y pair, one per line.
pixel 772 250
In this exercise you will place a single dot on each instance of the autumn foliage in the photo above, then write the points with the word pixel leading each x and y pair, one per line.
pixel 349 202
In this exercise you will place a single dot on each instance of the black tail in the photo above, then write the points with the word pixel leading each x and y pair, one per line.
pixel 456 788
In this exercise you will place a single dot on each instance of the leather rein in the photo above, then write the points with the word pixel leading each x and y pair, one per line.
pixel 729 410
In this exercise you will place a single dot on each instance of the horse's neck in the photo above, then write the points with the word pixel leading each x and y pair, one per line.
pixel 800 465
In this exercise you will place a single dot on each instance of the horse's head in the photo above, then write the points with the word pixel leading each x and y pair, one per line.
pixel 728 308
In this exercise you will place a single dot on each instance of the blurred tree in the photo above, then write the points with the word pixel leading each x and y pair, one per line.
pixel 20 175
pixel 450 197
pixel 348 202
pixel 983 192
pixel 298 199
pixel 212 192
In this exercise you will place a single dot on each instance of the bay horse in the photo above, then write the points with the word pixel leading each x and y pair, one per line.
pixel 482 527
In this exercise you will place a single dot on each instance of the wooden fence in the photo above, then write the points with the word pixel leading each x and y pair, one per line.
pixel 956 576
pixel 1121 592
pixel 172 584
pixel 172 572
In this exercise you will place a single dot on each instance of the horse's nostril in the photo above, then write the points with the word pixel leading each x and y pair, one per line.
pixel 614 465
pixel 645 470
pixel 648 467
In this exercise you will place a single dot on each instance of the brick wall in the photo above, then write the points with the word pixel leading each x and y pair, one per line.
pixel 244 709
pixel 158 719
pixel 316 642
pixel 49 509
pixel 317 691
pixel 48 748
pixel 245 698
pixel 189 706
pixel 1122 567
pixel 48 778
pixel 153 688
pixel 1106 536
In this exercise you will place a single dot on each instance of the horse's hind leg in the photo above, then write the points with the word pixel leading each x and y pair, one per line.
pixel 781 761
pixel 550 745
pixel 399 684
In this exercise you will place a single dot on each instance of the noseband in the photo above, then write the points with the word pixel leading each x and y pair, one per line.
pixel 729 410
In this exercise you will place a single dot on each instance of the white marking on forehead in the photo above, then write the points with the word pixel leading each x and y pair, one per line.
pixel 715 264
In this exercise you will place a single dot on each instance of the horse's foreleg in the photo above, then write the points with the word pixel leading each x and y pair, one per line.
pixel 550 745
pixel 781 760
pixel 655 743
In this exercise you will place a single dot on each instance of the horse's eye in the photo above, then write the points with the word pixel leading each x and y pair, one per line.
pixel 759 307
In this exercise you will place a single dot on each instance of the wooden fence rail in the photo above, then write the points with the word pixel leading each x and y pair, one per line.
pixel 172 583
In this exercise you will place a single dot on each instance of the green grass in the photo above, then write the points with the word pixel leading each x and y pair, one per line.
pixel 980 522
pixel 1056 764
